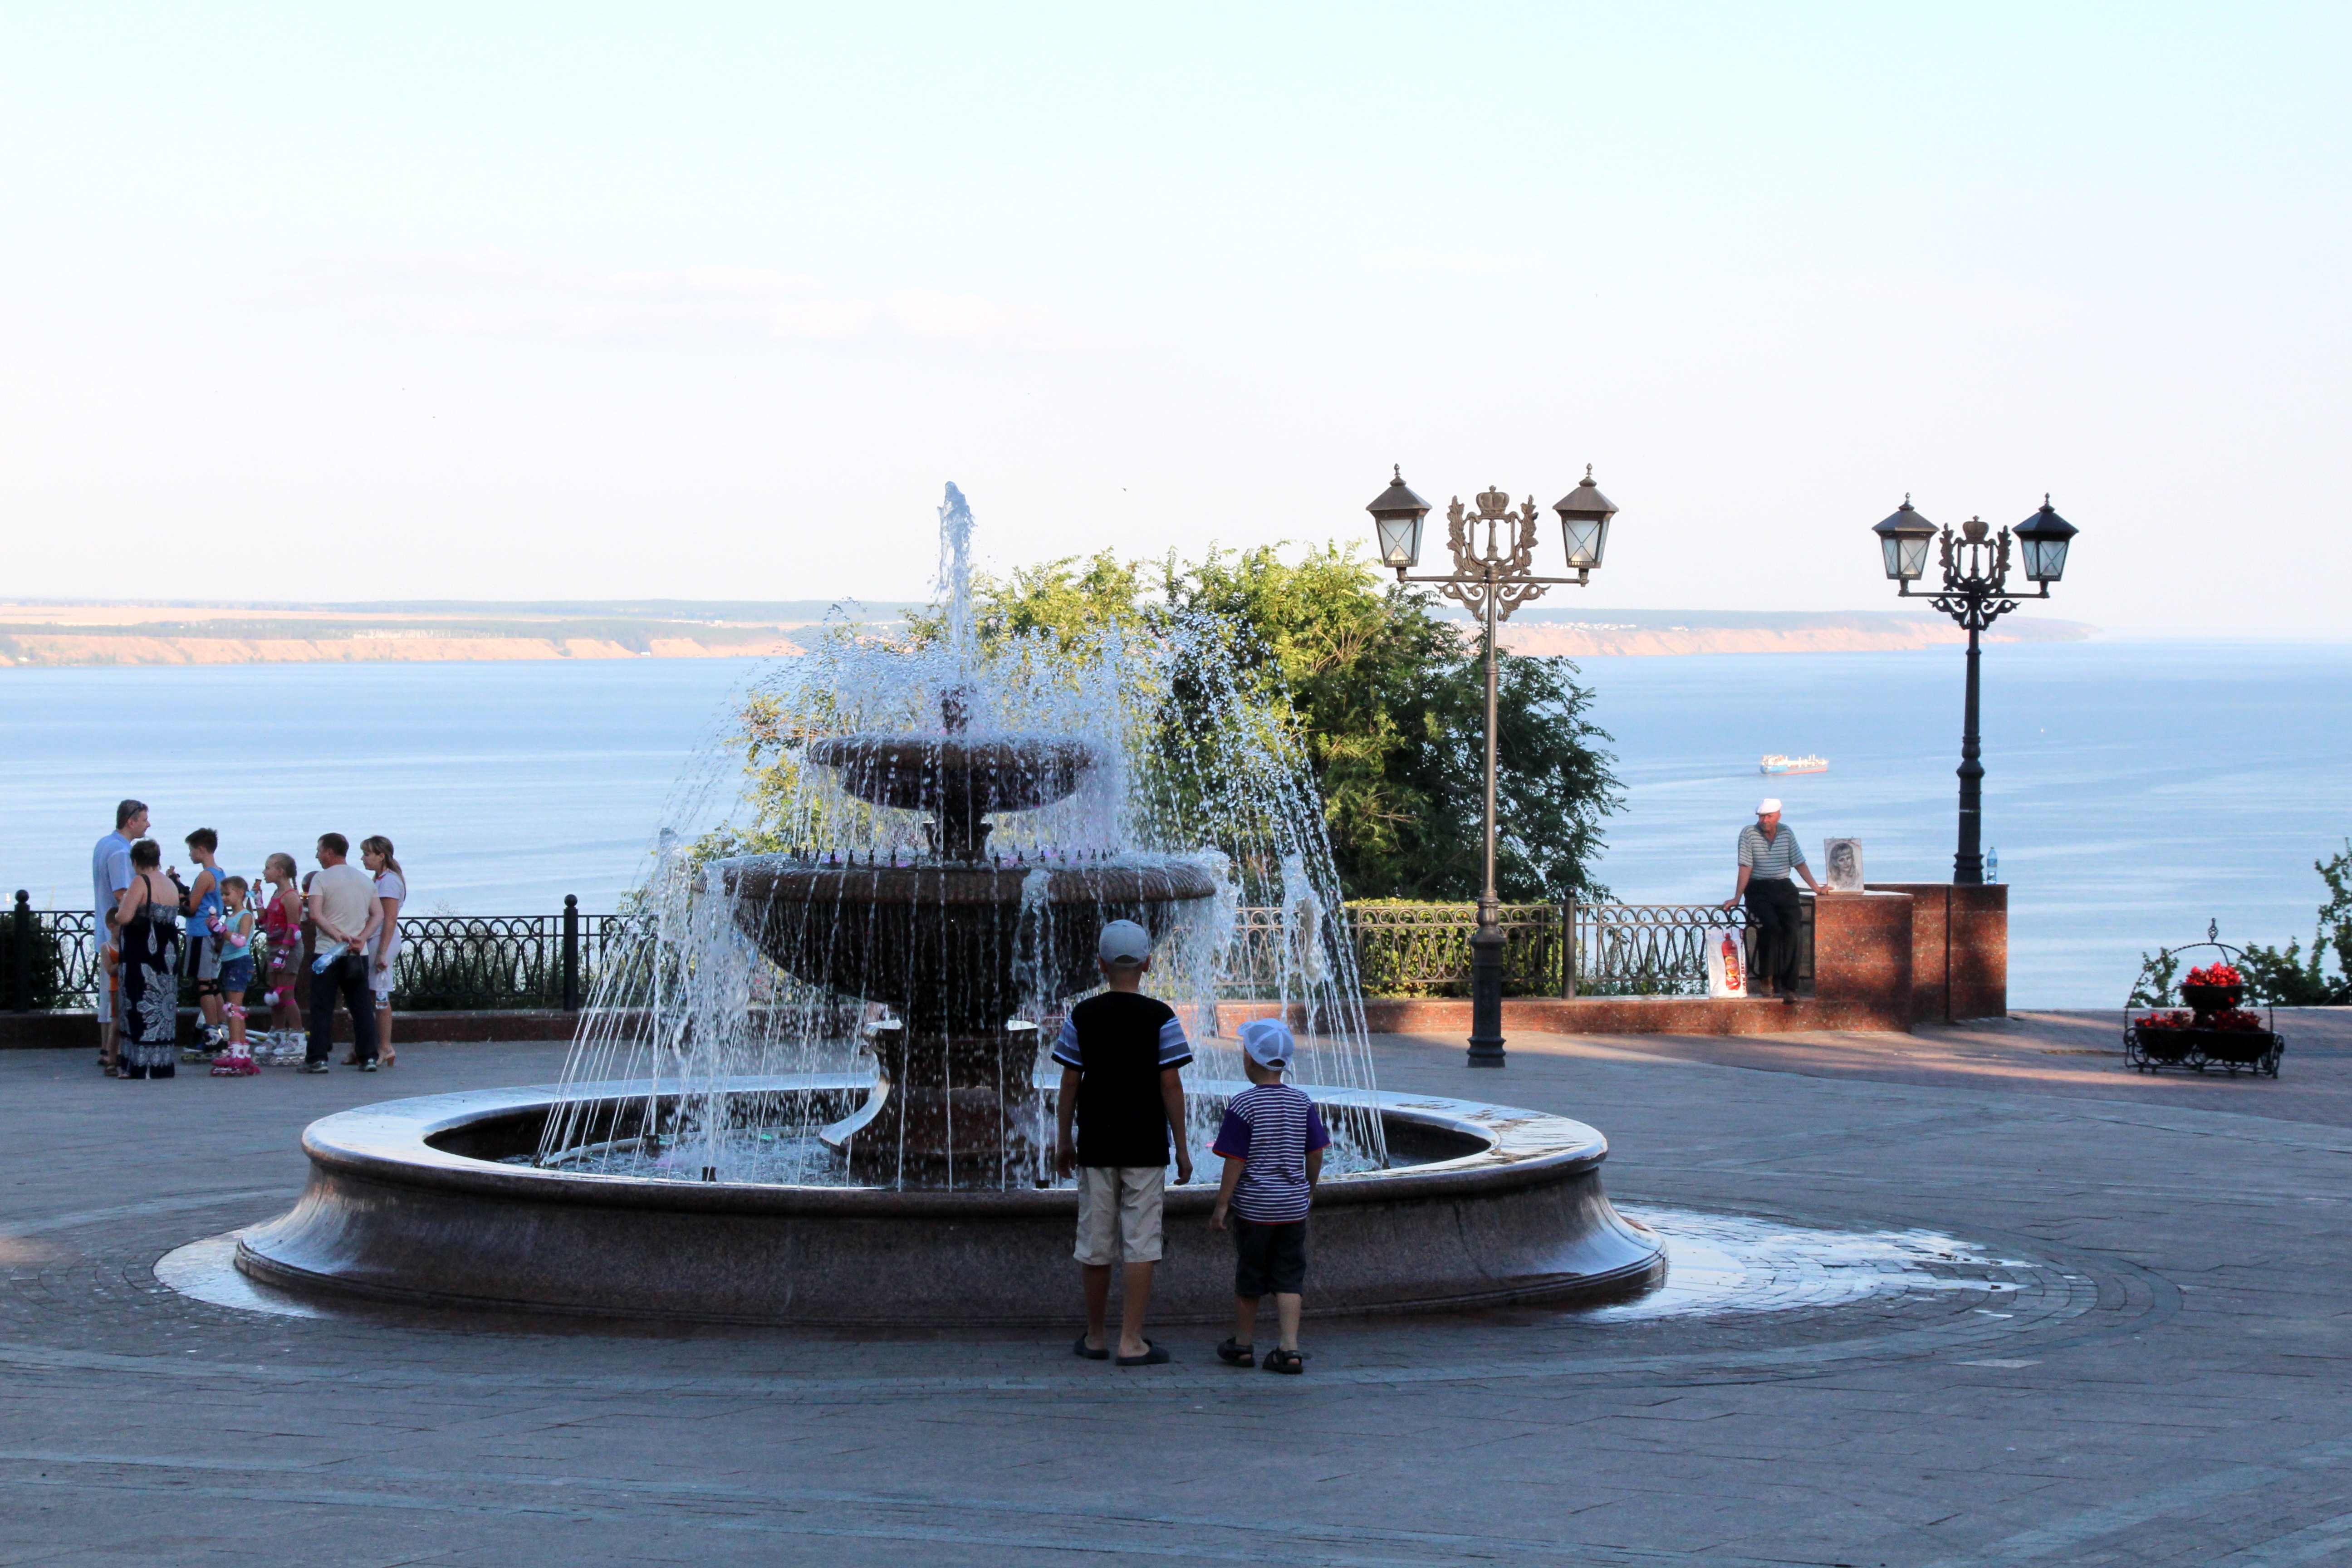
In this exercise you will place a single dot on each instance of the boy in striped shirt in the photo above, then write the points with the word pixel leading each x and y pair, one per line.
pixel 1273 1142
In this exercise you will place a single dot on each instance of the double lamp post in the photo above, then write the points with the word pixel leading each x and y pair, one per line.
pixel 1974 564
pixel 1491 579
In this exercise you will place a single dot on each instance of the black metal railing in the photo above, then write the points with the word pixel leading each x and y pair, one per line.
pixel 51 961
pixel 1571 949
pixel 491 963
pixel 446 963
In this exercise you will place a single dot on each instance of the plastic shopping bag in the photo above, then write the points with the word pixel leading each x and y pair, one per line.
pixel 1727 963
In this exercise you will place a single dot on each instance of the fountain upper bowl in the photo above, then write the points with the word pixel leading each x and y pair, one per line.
pixel 925 773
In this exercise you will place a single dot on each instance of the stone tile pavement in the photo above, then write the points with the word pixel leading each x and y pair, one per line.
pixel 2164 1379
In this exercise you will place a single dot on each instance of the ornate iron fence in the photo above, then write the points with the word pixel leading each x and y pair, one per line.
pixel 1423 949
pixel 1572 949
pixel 556 960
pixel 49 962
pixel 488 962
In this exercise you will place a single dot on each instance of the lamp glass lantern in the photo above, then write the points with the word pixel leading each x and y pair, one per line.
pixel 1584 514
pixel 2042 539
pixel 1904 537
pixel 1396 524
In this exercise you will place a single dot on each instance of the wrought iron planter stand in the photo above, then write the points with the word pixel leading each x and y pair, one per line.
pixel 2201 1046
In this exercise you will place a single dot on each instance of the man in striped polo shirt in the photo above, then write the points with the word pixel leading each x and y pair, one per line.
pixel 1768 853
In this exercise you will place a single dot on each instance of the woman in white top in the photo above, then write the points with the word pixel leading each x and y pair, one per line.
pixel 384 951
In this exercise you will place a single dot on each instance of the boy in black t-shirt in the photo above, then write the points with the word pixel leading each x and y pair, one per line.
pixel 1122 1054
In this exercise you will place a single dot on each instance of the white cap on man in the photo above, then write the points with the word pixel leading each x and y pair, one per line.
pixel 1768 806
pixel 1267 1041
pixel 1124 941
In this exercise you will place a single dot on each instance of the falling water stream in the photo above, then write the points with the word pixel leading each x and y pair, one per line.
pixel 1167 766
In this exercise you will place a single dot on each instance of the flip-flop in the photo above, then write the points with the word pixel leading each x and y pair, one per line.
pixel 1153 1356
pixel 1080 1349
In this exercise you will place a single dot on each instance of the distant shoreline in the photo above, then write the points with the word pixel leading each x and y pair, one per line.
pixel 55 635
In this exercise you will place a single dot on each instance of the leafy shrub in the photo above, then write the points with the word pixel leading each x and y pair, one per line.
pixel 2289 977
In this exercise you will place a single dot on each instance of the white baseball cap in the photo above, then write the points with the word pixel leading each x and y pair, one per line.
pixel 1768 806
pixel 1267 1041
pixel 1123 941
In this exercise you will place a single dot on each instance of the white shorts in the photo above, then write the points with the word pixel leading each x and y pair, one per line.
pixel 1118 1213
pixel 104 999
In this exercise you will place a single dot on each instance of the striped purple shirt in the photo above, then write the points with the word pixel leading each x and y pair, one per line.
pixel 1270 1127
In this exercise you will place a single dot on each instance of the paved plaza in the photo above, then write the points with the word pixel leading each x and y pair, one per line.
pixel 2123 1338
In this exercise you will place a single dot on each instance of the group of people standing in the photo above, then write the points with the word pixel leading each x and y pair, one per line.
pixel 152 929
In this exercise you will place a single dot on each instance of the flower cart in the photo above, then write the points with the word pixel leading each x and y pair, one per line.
pixel 2213 1032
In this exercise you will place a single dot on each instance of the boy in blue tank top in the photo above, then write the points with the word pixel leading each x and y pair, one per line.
pixel 1273 1142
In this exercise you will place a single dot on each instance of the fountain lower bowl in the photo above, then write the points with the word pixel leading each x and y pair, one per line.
pixel 942 942
pixel 408 1202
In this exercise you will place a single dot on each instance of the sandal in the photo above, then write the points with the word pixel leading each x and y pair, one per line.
pixel 1153 1356
pixel 1280 1360
pixel 1081 1349
pixel 1233 1353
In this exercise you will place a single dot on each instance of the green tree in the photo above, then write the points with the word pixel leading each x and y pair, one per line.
pixel 1386 699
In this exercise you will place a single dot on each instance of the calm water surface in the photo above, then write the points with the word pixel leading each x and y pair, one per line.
pixel 2133 791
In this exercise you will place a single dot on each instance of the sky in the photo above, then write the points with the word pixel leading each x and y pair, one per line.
pixel 585 300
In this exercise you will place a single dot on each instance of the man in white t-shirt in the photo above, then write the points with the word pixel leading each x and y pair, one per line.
pixel 342 907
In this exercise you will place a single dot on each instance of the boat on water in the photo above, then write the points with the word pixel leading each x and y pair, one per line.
pixel 1777 763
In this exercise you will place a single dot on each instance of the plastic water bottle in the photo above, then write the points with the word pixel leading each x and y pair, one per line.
pixel 318 965
pixel 1993 864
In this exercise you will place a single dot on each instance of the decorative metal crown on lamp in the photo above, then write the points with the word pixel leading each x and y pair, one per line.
pixel 1904 536
pixel 2042 540
pixel 1396 523
pixel 1584 514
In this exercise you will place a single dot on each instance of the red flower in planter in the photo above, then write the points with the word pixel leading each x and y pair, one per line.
pixel 2215 975
pixel 2175 1019
pixel 2238 1018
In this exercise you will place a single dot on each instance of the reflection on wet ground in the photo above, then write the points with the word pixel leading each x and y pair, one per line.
pixel 1717 1264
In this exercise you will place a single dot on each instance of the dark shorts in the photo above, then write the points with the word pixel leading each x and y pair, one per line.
pixel 237 976
pixel 1268 1259
pixel 203 963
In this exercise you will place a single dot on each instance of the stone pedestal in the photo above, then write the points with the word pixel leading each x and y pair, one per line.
pixel 947 1111
pixel 1863 948
pixel 1960 949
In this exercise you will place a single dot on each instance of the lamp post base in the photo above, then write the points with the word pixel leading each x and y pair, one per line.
pixel 1487 997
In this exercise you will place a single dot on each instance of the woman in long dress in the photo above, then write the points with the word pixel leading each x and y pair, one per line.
pixel 147 925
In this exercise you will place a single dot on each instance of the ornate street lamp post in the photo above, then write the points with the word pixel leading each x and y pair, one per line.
pixel 1490 585
pixel 1975 593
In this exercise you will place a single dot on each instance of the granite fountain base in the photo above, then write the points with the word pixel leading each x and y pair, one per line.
pixel 408 1200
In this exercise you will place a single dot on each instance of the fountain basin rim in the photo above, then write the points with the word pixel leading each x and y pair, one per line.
pixel 391 1142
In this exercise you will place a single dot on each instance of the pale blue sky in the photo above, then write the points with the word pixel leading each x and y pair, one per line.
pixel 579 299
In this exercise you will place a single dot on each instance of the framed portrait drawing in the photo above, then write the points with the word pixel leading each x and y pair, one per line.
pixel 1843 857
